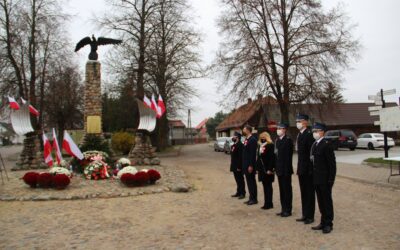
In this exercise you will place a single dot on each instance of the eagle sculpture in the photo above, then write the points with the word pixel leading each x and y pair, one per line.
pixel 94 43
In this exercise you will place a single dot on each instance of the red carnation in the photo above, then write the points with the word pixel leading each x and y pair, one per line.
pixel 31 179
pixel 61 181
pixel 141 178
pixel 45 180
pixel 154 176
pixel 128 179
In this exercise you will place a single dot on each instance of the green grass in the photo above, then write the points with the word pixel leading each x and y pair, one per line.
pixel 377 160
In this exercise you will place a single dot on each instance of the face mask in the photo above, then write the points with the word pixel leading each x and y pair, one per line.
pixel 263 141
pixel 299 125
pixel 279 132
pixel 316 136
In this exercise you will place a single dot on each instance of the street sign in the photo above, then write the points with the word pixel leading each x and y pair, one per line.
pixel 378 103
pixel 373 113
pixel 374 108
pixel 374 97
pixel 388 92
pixel 377 123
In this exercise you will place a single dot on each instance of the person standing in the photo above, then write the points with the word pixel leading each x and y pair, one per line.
pixel 265 166
pixel 249 163
pixel 284 169
pixel 304 143
pixel 324 173
pixel 236 165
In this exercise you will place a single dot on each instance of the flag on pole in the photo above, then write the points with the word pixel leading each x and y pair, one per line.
pixel 161 107
pixel 154 105
pixel 70 146
pixel 57 147
pixel 32 109
pixel 147 101
pixel 47 151
pixel 13 103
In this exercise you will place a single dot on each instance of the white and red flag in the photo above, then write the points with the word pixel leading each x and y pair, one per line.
pixel 47 151
pixel 13 103
pixel 57 147
pixel 70 146
pixel 147 101
pixel 154 105
pixel 161 107
pixel 32 109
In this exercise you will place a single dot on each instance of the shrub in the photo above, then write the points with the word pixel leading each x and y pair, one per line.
pixel 154 175
pixel 45 180
pixel 141 178
pixel 122 142
pixel 95 142
pixel 60 181
pixel 128 179
pixel 31 179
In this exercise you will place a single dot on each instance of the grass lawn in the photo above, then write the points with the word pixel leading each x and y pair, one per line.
pixel 377 160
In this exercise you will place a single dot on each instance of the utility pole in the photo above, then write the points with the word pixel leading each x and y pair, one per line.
pixel 386 148
pixel 190 135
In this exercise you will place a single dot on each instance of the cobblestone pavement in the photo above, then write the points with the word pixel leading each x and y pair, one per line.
pixel 366 217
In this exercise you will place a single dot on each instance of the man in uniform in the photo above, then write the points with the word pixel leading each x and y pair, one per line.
pixel 304 143
pixel 249 163
pixel 324 173
pixel 236 165
pixel 284 169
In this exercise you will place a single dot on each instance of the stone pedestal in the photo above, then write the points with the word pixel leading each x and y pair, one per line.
pixel 142 153
pixel 93 104
pixel 31 156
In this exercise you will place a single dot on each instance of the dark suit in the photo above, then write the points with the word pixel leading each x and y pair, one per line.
pixel 249 159
pixel 305 141
pixel 236 167
pixel 284 171
pixel 324 173
pixel 266 162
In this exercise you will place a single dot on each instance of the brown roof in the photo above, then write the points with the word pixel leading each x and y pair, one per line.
pixel 241 115
pixel 176 124
pixel 202 124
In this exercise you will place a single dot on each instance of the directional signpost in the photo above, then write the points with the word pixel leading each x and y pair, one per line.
pixel 375 111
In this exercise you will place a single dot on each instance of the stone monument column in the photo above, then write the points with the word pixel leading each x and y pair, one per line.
pixel 93 104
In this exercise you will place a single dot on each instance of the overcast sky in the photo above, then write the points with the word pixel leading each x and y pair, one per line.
pixel 377 30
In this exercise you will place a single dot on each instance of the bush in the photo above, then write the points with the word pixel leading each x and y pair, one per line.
pixel 128 179
pixel 31 179
pixel 95 142
pixel 60 181
pixel 122 142
pixel 45 180
pixel 154 176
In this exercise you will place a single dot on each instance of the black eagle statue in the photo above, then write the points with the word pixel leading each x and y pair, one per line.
pixel 94 43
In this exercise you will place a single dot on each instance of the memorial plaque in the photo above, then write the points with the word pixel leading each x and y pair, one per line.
pixel 93 125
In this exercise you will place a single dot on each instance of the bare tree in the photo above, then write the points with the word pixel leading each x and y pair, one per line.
pixel 291 49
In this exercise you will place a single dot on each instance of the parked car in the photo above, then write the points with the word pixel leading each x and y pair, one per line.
pixel 343 138
pixel 229 143
pixel 373 140
pixel 219 144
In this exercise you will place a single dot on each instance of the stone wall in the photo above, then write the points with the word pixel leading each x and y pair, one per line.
pixel 92 91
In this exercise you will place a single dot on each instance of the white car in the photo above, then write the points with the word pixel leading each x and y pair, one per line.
pixel 373 140
pixel 220 143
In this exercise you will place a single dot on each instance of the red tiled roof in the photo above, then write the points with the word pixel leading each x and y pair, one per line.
pixel 176 124
pixel 202 124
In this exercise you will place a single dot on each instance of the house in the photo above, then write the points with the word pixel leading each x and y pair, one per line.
pixel 8 136
pixel 262 111
pixel 202 135
pixel 177 132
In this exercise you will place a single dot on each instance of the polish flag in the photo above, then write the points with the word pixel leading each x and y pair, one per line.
pixel 154 105
pixel 70 146
pixel 32 110
pixel 161 107
pixel 13 103
pixel 57 147
pixel 47 151
pixel 147 101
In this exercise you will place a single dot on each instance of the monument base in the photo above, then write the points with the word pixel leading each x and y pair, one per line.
pixel 31 156
pixel 142 153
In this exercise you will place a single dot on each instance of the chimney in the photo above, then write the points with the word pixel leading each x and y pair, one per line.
pixel 248 100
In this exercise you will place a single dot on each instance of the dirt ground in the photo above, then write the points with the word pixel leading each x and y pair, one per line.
pixel 366 217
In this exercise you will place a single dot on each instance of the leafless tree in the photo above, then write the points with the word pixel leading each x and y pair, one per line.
pixel 291 49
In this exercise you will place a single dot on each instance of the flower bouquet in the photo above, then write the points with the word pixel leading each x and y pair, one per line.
pixel 95 167
pixel 47 180
pixel 124 162
pixel 131 177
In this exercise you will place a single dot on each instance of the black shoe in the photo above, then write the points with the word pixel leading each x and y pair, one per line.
pixel 319 227
pixel 265 207
pixel 279 214
pixel 301 219
pixel 285 214
pixel 246 202
pixel 308 221
pixel 252 203
pixel 241 197
pixel 235 195
pixel 327 229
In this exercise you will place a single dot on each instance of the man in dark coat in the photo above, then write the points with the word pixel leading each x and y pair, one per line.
pixel 324 173
pixel 284 169
pixel 304 143
pixel 236 165
pixel 249 164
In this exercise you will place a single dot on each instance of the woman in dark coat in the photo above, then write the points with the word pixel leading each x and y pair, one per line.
pixel 266 167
